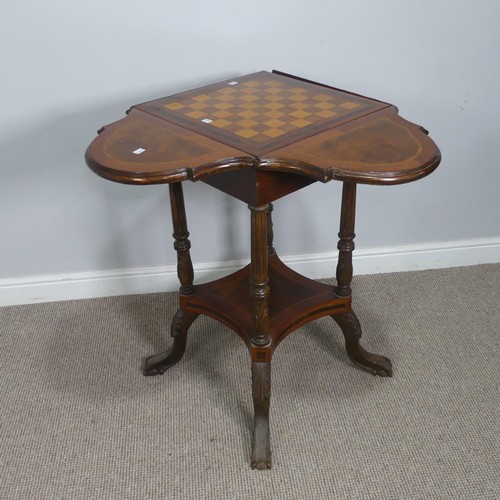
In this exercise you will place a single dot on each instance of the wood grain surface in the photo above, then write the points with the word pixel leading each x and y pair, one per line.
pixel 264 121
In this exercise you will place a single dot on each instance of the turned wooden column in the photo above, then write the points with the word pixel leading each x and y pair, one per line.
pixel 159 363
pixel 270 234
pixel 259 278
pixel 348 322
pixel 181 235
pixel 346 241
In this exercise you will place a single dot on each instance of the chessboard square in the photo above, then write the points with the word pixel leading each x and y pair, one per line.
pixel 221 123
pixel 274 114
pixel 274 97
pixel 273 90
pixel 222 114
pixel 247 123
pixel 224 97
pixel 299 105
pixel 273 105
pixel 325 105
pixel 173 105
pixel 199 105
pixel 297 90
pixel 323 97
pixel 201 98
pixel 248 114
pixel 260 127
pixel 300 114
pixel 298 97
pixel 248 105
pixel 249 97
pixel 196 114
pixel 274 83
pixel 227 90
pixel 223 105
pixel 274 123
pixel 246 132
pixel 273 132
pixel 349 105
pixel 300 123
pixel 326 113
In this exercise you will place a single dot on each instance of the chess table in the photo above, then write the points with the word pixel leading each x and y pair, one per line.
pixel 258 138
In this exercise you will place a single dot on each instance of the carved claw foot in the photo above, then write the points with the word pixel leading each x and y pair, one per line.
pixel 159 363
pixel 261 389
pixel 373 363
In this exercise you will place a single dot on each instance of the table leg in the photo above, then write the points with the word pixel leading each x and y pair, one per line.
pixel 348 322
pixel 261 391
pixel 261 247
pixel 159 363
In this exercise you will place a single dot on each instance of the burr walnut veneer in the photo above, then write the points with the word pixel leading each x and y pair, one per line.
pixel 258 138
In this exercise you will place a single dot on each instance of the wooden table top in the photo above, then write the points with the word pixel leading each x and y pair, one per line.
pixel 265 121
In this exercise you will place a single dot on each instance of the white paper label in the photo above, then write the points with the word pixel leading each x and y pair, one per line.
pixel 138 151
pixel 233 83
pixel 207 120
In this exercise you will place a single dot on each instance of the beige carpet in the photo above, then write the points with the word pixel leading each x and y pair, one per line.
pixel 78 420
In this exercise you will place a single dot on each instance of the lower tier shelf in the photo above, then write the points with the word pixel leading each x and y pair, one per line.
pixel 294 300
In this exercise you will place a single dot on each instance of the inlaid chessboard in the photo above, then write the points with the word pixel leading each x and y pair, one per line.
pixel 261 112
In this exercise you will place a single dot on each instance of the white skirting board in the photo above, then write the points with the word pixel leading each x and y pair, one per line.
pixel 57 287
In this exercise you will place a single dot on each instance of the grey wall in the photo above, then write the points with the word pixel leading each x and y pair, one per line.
pixel 70 67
